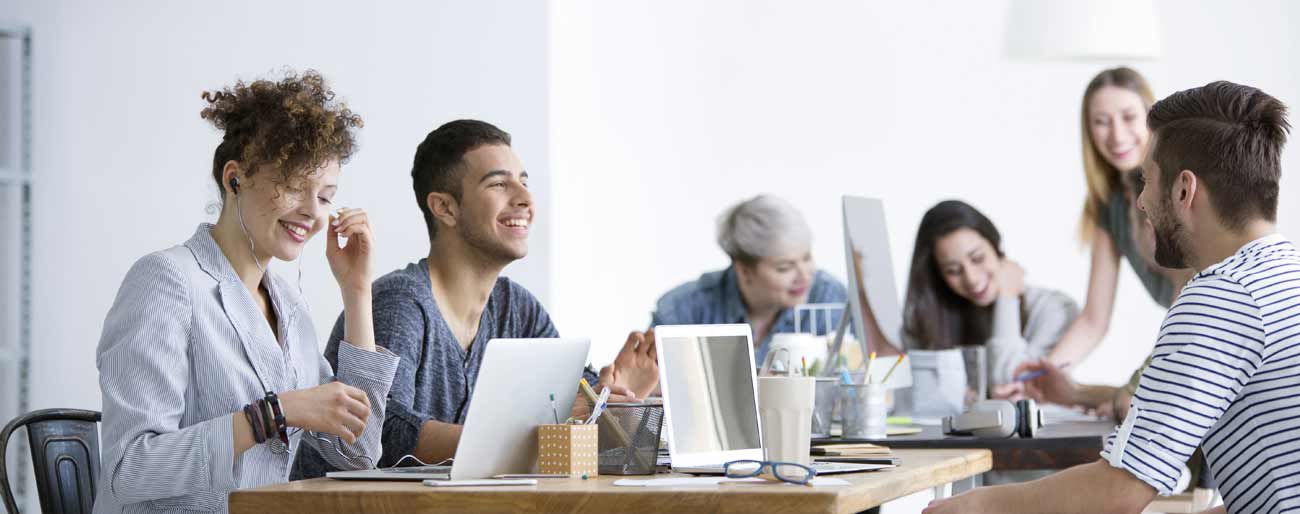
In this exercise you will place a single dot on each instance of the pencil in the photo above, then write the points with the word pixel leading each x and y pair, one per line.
pixel 892 368
pixel 871 359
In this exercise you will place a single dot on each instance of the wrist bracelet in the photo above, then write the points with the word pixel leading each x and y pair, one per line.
pixel 281 429
pixel 250 412
pixel 268 418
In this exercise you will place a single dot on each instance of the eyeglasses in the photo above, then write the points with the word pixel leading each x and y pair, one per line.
pixel 791 472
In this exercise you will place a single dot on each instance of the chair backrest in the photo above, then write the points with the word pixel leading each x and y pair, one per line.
pixel 65 457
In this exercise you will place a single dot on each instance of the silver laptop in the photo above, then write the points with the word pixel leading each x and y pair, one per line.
pixel 706 374
pixel 511 397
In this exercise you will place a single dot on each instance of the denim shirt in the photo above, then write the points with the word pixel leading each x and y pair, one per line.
pixel 715 298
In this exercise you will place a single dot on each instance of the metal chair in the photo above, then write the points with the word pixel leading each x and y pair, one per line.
pixel 65 457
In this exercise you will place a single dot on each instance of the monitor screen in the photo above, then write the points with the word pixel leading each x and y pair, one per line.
pixel 711 388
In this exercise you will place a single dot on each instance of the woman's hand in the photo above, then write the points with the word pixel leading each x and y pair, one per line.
pixel 1011 278
pixel 1052 386
pixel 333 408
pixel 350 264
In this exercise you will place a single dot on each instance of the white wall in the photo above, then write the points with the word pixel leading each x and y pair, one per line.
pixel 667 112
pixel 123 160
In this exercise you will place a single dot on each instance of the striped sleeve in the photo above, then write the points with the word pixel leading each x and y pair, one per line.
pixel 147 454
pixel 1210 346
pixel 371 372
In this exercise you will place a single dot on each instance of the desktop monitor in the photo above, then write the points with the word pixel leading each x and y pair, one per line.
pixel 866 236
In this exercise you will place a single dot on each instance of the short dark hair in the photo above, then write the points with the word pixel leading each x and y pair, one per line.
pixel 1231 136
pixel 439 157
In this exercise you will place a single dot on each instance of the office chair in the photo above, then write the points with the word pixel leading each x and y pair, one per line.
pixel 65 457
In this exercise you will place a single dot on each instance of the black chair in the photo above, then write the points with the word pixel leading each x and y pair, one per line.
pixel 65 457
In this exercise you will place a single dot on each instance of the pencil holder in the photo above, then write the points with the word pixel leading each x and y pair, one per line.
pixel 567 449
pixel 629 438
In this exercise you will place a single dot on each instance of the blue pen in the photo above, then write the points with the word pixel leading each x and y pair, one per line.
pixel 1025 377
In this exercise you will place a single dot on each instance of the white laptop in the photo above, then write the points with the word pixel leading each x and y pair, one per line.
pixel 706 374
pixel 511 397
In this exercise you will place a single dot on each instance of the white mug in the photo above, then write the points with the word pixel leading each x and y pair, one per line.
pixel 785 408
pixel 800 346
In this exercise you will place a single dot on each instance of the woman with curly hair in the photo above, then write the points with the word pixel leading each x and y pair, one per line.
pixel 208 363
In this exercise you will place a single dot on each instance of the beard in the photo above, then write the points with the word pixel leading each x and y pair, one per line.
pixel 483 242
pixel 1171 247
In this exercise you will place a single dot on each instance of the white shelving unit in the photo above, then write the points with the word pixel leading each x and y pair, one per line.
pixel 16 240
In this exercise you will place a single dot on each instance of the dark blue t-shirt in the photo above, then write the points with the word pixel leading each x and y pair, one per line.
pixel 435 378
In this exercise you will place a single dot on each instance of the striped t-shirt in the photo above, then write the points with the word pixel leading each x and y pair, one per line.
pixel 1225 375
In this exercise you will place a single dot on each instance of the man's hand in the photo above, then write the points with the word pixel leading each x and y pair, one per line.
pixel 1053 386
pixel 634 374
pixel 975 501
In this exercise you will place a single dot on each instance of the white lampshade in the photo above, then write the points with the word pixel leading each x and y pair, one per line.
pixel 1084 29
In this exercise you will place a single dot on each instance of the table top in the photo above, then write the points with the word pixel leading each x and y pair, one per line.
pixel 1057 446
pixel 919 470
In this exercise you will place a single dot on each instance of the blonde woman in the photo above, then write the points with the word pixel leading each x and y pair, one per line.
pixel 1115 137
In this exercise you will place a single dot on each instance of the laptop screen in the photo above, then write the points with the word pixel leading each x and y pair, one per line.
pixel 711 390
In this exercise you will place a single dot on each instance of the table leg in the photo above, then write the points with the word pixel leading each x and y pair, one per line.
pixel 943 491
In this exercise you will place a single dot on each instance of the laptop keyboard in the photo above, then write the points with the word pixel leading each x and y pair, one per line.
pixel 419 469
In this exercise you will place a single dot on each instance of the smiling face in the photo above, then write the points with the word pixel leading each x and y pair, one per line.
pixel 781 281
pixel 969 264
pixel 496 208
pixel 1117 123
pixel 280 220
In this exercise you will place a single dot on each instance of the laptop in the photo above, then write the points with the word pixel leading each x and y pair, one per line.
pixel 706 375
pixel 511 397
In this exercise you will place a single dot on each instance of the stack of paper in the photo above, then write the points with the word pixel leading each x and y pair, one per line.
pixel 854 450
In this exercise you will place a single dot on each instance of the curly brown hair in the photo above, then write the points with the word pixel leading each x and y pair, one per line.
pixel 291 127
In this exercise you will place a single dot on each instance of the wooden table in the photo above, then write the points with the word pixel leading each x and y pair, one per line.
pixel 920 470
pixel 1058 445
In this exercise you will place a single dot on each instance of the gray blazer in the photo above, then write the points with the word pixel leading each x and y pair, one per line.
pixel 183 347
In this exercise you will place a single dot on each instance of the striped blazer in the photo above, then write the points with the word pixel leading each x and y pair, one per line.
pixel 185 346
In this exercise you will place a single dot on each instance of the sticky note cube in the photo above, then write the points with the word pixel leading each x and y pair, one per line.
pixel 567 449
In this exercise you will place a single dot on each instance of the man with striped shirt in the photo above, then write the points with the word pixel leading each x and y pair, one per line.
pixel 1225 374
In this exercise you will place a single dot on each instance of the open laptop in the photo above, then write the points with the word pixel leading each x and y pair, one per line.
pixel 511 397
pixel 706 374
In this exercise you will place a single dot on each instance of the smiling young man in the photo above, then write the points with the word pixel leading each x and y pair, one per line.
pixel 1223 376
pixel 439 313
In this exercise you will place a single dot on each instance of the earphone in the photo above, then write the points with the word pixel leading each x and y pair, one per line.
pixel 997 419
pixel 239 210
pixel 275 444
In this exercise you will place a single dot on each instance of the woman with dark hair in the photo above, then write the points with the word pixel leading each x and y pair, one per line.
pixel 209 367
pixel 962 291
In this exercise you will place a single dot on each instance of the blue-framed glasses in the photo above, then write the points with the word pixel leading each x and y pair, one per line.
pixel 791 472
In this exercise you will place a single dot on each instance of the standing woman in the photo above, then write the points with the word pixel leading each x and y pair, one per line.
pixel 208 364
pixel 1115 137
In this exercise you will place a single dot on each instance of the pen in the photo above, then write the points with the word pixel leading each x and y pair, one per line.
pixel 1025 377
pixel 844 377
pixel 892 368
pixel 599 409
pixel 555 411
